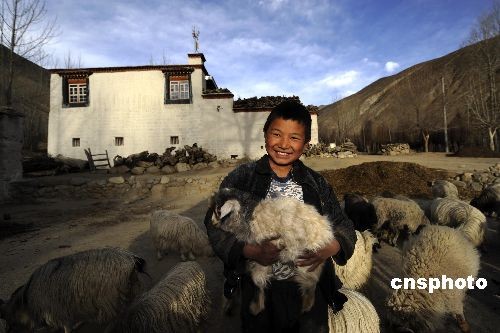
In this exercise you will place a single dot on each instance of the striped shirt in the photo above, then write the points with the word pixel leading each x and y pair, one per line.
pixel 284 187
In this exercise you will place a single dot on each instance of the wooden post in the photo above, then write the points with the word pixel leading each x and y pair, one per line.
pixel 447 149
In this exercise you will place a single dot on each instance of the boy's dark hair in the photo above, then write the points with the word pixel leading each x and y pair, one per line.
pixel 291 110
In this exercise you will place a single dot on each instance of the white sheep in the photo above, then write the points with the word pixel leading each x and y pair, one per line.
pixel 444 189
pixel 356 272
pixel 297 226
pixel 434 252
pixel 460 215
pixel 179 302
pixel 89 286
pixel 174 232
pixel 488 201
pixel 395 215
pixel 357 315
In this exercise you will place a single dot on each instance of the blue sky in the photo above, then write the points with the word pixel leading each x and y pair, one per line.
pixel 319 50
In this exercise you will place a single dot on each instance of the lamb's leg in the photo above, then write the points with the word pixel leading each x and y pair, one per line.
pixel 183 257
pixel 462 323
pixel 308 298
pixel 307 282
pixel 257 304
pixel 260 275
pixel 191 256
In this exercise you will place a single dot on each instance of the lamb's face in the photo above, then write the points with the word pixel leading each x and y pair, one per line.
pixel 225 212
pixel 231 208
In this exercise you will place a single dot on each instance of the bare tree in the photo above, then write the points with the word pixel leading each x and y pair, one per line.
pixel 24 30
pixel 72 62
pixel 410 97
pixel 483 98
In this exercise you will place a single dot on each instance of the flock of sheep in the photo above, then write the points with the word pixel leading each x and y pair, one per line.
pixel 437 237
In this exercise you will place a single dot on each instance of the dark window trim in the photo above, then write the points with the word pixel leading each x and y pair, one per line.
pixel 167 89
pixel 65 91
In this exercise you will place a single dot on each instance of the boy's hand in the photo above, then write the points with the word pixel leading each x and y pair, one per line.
pixel 265 254
pixel 314 259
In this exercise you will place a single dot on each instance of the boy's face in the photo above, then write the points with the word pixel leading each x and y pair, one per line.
pixel 285 142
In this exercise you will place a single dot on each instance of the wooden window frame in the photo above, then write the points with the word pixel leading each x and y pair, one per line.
pixel 180 79
pixel 119 141
pixel 83 100
pixel 75 142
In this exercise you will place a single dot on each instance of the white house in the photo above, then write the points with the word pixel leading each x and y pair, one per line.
pixel 126 110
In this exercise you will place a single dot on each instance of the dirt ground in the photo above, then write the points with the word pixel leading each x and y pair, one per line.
pixel 59 226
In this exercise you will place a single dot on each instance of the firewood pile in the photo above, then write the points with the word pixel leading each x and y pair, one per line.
pixel 262 102
pixel 46 165
pixel 190 155
pixel 348 146
pixel 347 149
pixel 394 149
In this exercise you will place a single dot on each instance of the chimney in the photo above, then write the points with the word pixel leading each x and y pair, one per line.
pixel 196 59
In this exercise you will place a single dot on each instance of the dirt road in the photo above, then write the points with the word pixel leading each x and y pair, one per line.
pixel 62 227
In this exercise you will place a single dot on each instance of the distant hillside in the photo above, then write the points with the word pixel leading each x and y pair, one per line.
pixel 397 108
pixel 30 95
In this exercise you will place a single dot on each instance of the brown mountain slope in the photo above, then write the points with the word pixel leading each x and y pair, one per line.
pixel 397 108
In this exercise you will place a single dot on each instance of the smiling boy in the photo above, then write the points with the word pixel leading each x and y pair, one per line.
pixel 287 132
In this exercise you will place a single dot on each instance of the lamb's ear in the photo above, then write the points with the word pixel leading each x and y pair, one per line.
pixel 230 206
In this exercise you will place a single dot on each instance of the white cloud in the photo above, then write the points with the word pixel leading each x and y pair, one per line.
pixel 340 80
pixel 391 66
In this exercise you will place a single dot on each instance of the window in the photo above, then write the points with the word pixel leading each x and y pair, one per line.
pixel 118 140
pixel 174 140
pixel 76 142
pixel 179 90
pixel 178 87
pixel 75 91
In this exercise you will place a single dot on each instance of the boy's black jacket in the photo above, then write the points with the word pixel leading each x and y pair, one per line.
pixel 255 177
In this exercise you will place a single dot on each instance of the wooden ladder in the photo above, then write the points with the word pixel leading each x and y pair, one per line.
pixel 101 159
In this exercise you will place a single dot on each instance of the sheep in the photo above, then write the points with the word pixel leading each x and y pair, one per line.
pixel 443 189
pixel 357 315
pixel 434 252
pixel 396 215
pixel 460 215
pixel 179 302
pixel 356 272
pixel 293 226
pixel 174 232
pixel 488 201
pixel 88 286
pixel 360 211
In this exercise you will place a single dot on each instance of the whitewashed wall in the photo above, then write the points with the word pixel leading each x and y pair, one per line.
pixel 131 105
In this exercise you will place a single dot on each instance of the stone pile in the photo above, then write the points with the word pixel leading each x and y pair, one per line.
pixel 172 160
pixel 478 180
pixel 395 149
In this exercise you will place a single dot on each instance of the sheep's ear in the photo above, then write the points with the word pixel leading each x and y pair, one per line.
pixel 229 207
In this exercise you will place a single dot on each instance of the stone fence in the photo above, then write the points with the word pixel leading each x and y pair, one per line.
pixel 129 188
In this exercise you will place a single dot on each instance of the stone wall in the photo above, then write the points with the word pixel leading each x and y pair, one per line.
pixel 129 188
pixel 11 142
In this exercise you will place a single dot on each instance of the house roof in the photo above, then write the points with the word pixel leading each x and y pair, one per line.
pixel 266 104
pixel 164 68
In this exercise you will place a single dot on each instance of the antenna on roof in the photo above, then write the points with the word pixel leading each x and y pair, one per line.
pixel 196 34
